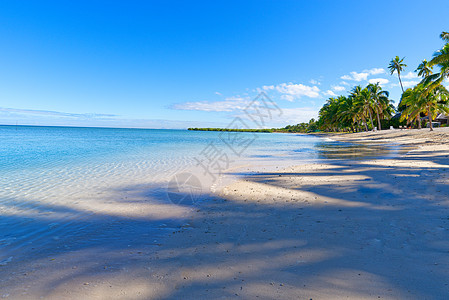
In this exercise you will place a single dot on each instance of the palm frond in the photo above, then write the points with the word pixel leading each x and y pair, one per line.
pixel 439 58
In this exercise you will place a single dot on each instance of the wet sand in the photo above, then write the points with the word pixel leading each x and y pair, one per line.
pixel 353 228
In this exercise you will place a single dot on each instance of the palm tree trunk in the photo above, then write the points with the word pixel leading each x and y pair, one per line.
pixel 430 118
pixel 378 119
pixel 366 125
pixel 400 81
pixel 419 122
pixel 371 118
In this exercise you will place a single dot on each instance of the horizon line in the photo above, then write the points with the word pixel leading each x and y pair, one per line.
pixel 99 127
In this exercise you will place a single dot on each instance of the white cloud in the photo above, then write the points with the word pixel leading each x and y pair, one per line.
pixel 290 116
pixel 297 115
pixel 356 76
pixel 230 104
pixel 344 83
pixel 359 76
pixel 298 90
pixel 338 88
pixel 268 87
pixel 13 116
pixel 381 81
pixel 410 75
pixel 330 93
pixel 288 98
pixel 218 93
pixel 51 113
pixel 287 91
pixel 236 98
pixel 410 83
pixel 376 71
pixel 315 82
pixel 407 83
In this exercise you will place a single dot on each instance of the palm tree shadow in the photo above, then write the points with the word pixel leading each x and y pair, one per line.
pixel 233 245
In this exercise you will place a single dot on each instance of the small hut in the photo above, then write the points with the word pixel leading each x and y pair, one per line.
pixel 442 119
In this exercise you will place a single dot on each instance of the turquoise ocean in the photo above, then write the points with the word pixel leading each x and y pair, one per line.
pixel 68 188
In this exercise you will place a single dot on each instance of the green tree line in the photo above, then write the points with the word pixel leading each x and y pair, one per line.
pixel 365 108
pixel 232 129
pixel 370 106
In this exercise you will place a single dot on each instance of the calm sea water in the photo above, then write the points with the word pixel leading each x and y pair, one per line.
pixel 69 188
pixel 34 151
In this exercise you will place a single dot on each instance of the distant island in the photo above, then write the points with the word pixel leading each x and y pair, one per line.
pixel 309 127
pixel 231 129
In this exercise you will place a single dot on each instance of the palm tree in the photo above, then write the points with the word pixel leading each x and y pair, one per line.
pixel 359 116
pixel 413 108
pixel 424 70
pixel 436 102
pixel 440 59
pixel 445 36
pixel 346 112
pixel 328 114
pixel 425 99
pixel 358 110
pixel 363 99
pixel 350 112
pixel 381 102
pixel 397 65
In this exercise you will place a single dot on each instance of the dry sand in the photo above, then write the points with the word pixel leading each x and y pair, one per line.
pixel 357 229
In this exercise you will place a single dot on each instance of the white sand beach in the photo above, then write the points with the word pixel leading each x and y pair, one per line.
pixel 341 229
pixel 206 150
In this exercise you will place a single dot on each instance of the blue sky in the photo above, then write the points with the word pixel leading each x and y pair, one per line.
pixel 175 64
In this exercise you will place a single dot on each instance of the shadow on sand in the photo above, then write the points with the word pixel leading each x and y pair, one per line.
pixel 386 235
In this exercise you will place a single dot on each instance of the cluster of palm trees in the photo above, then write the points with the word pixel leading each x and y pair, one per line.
pixel 426 100
pixel 311 126
pixel 429 97
pixel 355 111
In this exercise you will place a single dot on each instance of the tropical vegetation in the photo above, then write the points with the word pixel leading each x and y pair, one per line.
pixel 369 107
pixel 231 129
pixel 309 127
pixel 356 110
pixel 397 65
pixel 429 97
pixel 424 100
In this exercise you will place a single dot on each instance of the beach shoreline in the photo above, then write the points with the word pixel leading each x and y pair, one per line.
pixel 282 211
pixel 415 137
pixel 334 229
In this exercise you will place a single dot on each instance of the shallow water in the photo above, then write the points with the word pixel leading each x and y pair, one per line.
pixel 340 150
pixel 65 188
